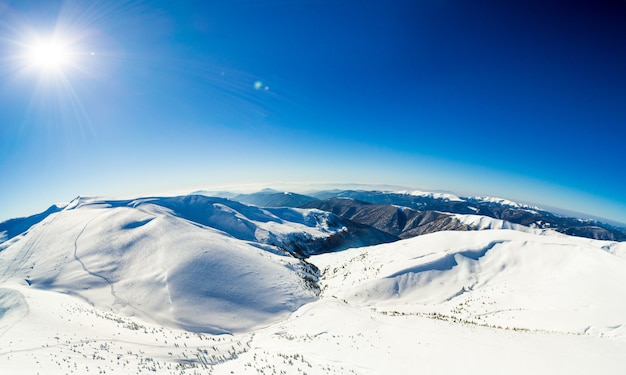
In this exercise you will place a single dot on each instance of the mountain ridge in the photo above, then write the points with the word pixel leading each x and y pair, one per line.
pixel 439 203
pixel 496 208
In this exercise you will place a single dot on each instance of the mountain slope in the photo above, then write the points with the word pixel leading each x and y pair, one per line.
pixel 300 232
pixel 489 278
pixel 272 198
pixel 199 263
pixel 14 227
pixel 150 260
pixel 145 285
pixel 496 208
pixel 405 222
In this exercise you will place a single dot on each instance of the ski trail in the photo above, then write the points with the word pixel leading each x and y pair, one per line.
pixel 117 300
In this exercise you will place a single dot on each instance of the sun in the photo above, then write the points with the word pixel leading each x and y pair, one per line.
pixel 51 54
pixel 53 65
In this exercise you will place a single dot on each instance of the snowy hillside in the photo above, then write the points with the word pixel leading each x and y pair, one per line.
pixel 494 278
pixel 479 222
pixel 199 285
pixel 201 264
pixel 404 222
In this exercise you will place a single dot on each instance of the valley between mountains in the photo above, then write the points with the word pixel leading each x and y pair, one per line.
pixel 343 282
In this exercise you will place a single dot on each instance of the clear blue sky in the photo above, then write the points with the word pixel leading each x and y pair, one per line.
pixel 523 99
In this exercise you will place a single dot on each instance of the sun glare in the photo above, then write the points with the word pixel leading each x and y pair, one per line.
pixel 50 54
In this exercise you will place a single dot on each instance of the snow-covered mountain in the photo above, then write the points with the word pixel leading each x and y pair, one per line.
pixel 273 198
pixel 493 278
pixel 405 222
pixel 496 208
pixel 174 260
pixel 444 203
pixel 203 285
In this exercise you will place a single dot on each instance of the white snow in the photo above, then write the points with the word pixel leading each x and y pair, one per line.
pixel 455 198
pixel 146 286
pixel 479 222
pixel 506 202
pixel 497 278
pixel 616 248
pixel 443 196
pixel 150 261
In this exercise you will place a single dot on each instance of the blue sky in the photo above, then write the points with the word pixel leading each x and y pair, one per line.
pixel 524 100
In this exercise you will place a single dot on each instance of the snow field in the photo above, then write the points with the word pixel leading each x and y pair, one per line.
pixel 194 285
pixel 152 264
pixel 493 278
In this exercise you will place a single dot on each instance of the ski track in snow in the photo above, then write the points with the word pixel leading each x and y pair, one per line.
pixel 116 298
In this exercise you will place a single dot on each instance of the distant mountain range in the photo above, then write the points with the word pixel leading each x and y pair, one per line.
pixel 374 216
pixel 425 212
pixel 406 222
pixel 273 198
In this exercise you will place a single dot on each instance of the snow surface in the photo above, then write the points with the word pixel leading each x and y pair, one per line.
pixel 497 278
pixel 194 263
pixel 455 198
pixel 504 202
pixel 419 193
pixel 147 285
pixel 479 222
